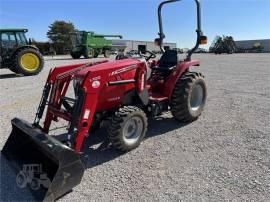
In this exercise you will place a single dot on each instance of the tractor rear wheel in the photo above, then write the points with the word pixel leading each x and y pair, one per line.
pixel 127 128
pixel 28 62
pixel 21 179
pixel 189 97
pixel 107 53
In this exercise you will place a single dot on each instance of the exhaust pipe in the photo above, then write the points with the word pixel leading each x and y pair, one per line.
pixel 48 167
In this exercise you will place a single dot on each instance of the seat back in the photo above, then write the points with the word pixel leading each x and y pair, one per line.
pixel 168 59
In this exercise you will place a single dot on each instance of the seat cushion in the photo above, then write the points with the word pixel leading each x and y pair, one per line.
pixel 168 60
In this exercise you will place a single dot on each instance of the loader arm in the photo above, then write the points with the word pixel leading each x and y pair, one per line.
pixel 56 87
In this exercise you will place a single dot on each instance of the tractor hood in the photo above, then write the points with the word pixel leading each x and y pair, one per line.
pixel 94 78
pixel 108 68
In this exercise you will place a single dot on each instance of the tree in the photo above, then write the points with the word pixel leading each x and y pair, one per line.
pixel 59 35
pixel 223 44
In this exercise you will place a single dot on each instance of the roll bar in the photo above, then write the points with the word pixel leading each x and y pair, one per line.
pixel 200 36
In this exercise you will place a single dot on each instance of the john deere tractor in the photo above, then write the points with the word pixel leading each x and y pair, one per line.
pixel 90 45
pixel 17 53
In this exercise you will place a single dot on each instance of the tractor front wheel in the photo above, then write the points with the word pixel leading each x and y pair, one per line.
pixel 75 55
pixel 96 53
pixel 28 62
pixel 127 128
pixel 35 185
pixel 189 97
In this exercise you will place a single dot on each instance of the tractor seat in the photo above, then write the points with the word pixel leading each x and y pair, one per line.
pixel 168 61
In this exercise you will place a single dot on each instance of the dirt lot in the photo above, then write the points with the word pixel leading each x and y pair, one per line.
pixel 225 155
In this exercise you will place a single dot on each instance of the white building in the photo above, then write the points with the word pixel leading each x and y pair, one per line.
pixel 248 44
pixel 129 45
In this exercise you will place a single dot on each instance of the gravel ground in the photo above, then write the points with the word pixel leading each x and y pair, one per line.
pixel 224 155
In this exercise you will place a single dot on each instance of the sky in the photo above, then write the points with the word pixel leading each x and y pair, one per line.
pixel 137 19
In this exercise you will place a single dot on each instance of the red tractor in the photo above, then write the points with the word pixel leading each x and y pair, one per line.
pixel 121 93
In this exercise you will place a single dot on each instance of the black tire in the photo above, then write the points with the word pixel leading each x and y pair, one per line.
pixel 35 185
pixel 13 69
pixel 184 106
pixel 75 55
pixel 96 54
pixel 120 122
pixel 19 69
pixel 21 179
pixel 107 53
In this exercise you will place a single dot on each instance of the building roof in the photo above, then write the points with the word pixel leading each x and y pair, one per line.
pixel 251 40
pixel 142 41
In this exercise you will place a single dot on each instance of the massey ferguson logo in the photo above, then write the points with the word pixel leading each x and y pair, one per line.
pixel 125 69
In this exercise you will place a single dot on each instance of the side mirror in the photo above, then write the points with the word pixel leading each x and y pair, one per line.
pixel 203 40
pixel 157 42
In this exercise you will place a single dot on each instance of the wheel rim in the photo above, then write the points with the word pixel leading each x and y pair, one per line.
pixel 20 180
pixel 132 130
pixel 91 53
pixel 196 99
pixel 29 62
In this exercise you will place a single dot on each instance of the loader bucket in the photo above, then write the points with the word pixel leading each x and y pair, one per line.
pixel 61 168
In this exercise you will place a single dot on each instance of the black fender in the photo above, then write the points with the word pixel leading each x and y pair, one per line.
pixel 15 51
pixel 132 97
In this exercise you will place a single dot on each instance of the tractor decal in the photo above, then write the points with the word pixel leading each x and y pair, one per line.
pixel 125 69
pixel 33 175
pixel 95 84
pixel 95 78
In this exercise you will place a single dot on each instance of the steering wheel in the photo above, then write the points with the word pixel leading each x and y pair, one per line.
pixel 147 58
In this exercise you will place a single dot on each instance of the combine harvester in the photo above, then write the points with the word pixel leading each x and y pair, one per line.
pixel 120 93
pixel 90 45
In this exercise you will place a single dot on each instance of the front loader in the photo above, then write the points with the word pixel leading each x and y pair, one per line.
pixel 120 95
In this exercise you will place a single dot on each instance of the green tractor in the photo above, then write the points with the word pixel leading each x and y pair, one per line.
pixel 90 45
pixel 17 53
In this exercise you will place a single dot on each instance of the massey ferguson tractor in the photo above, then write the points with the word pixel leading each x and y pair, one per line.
pixel 120 94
